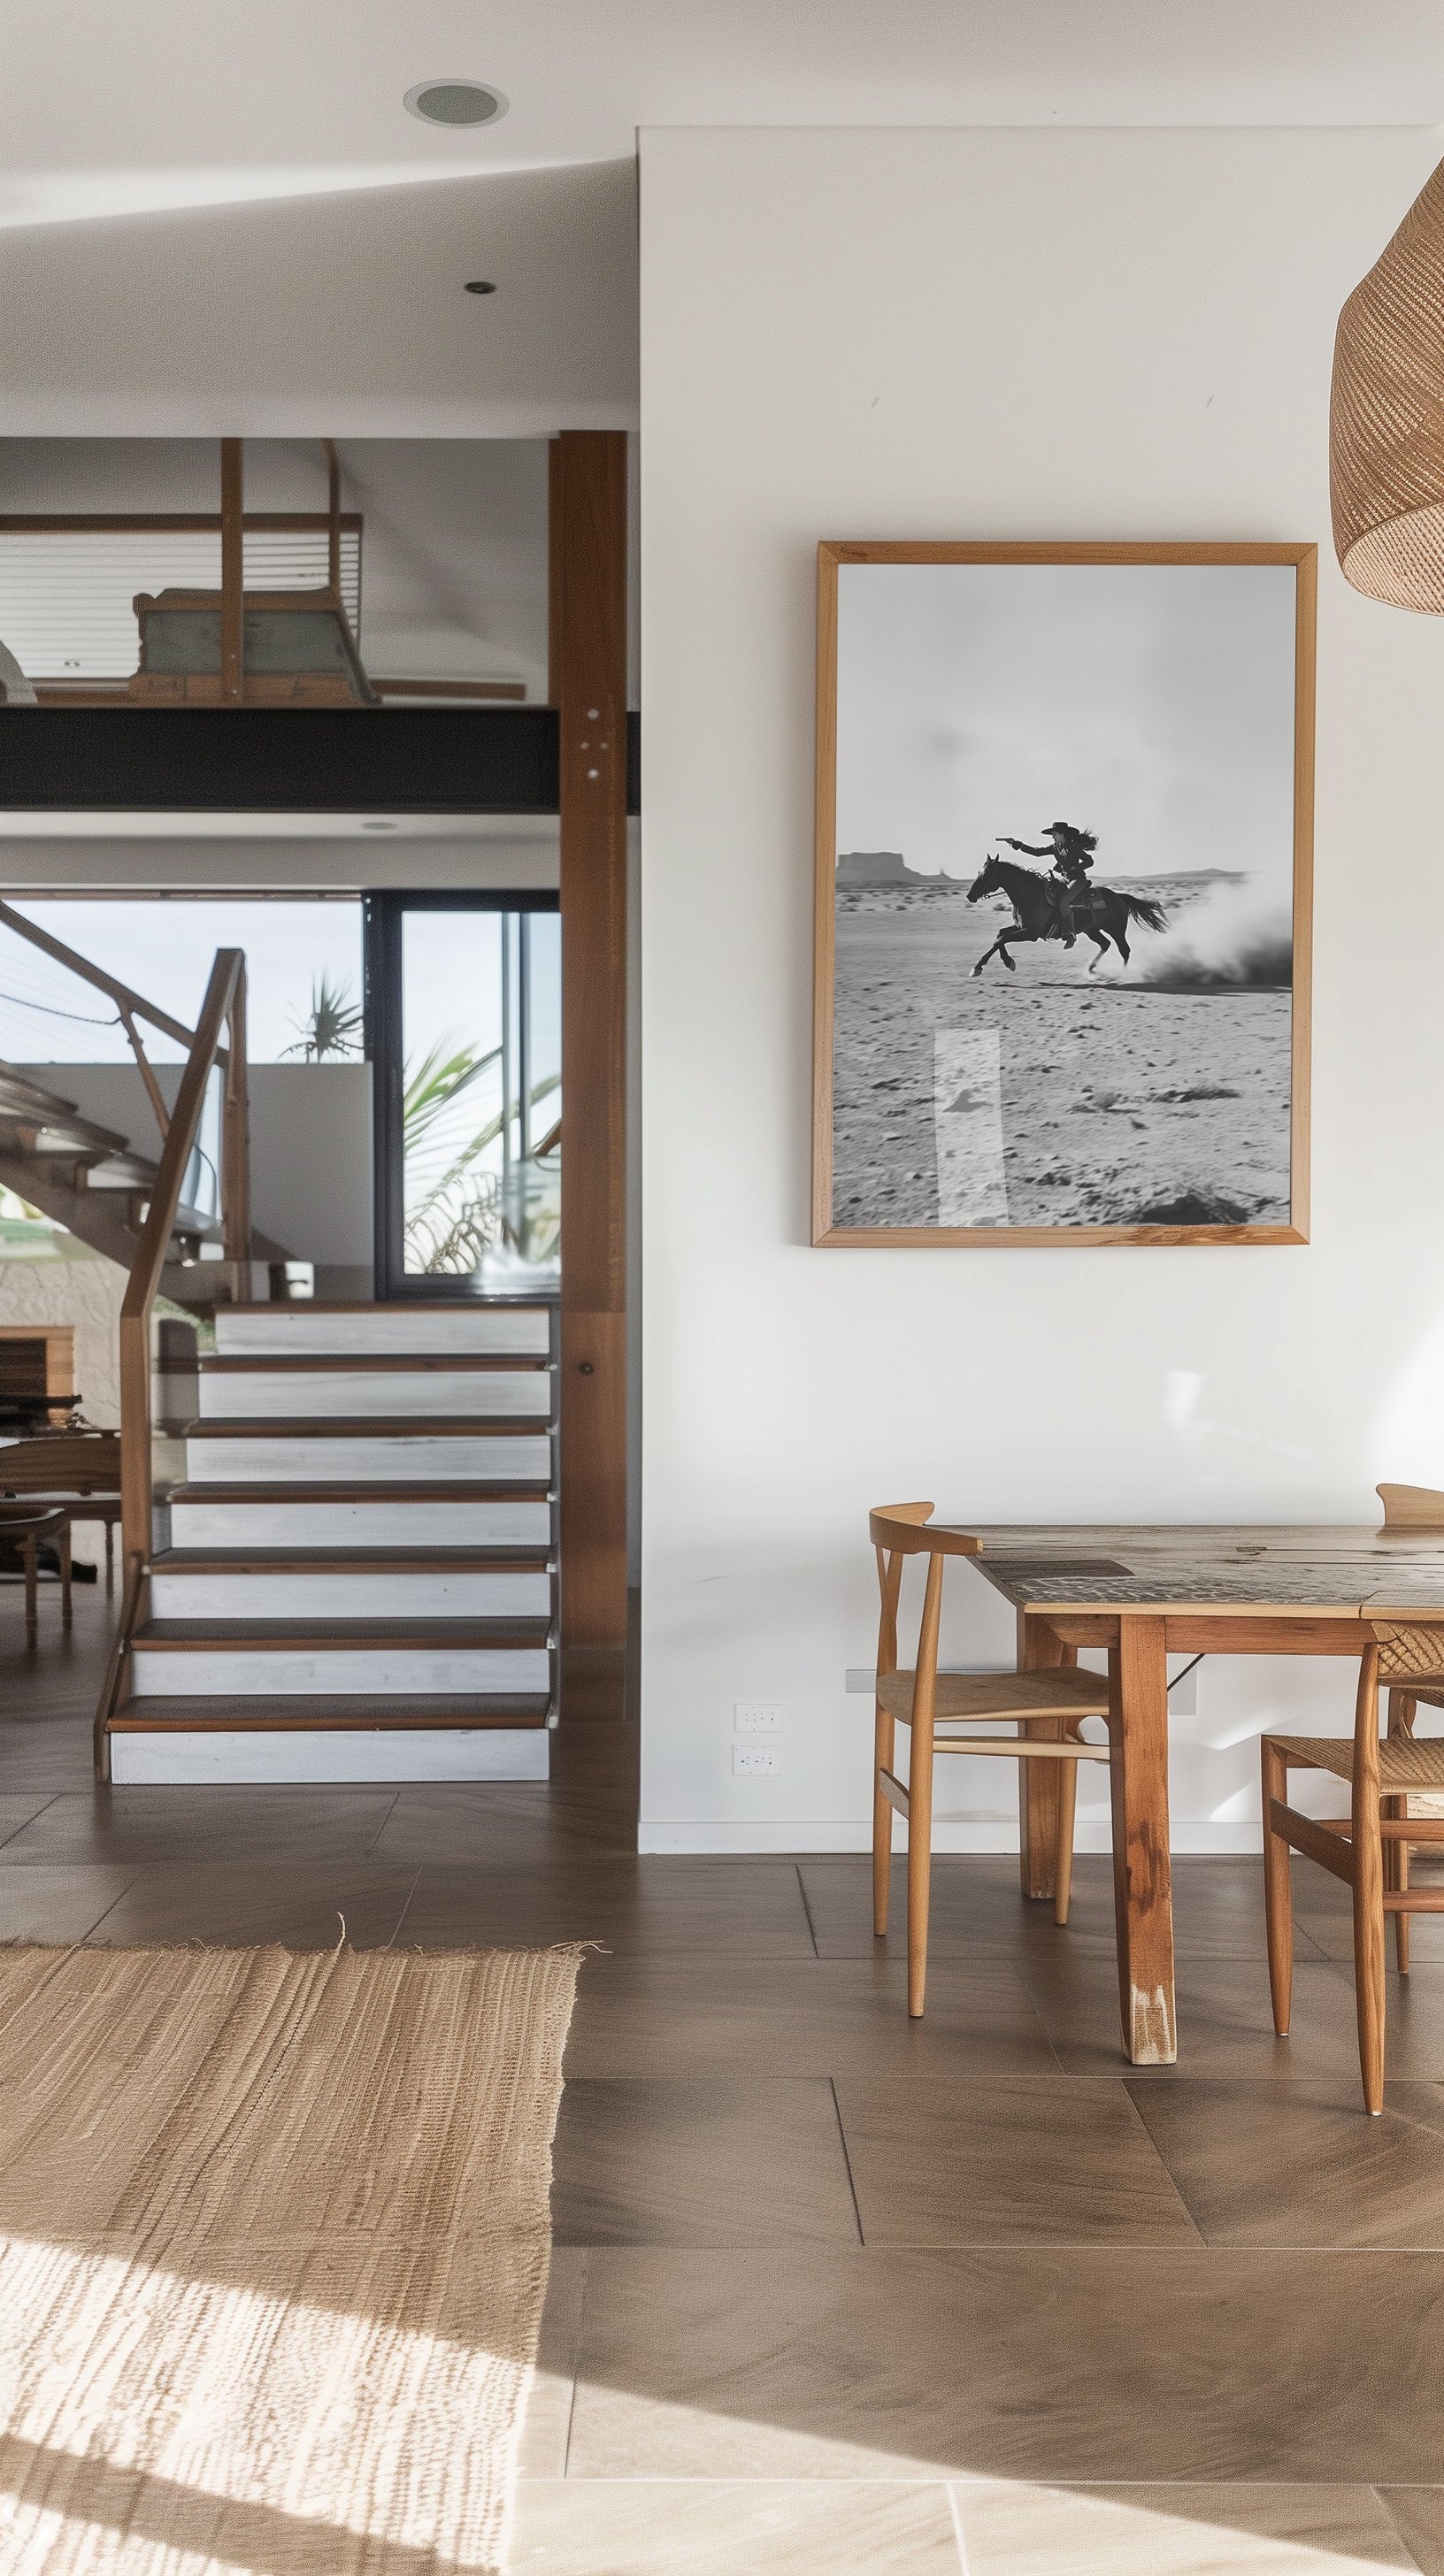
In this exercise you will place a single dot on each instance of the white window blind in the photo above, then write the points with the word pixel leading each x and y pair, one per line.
pixel 66 595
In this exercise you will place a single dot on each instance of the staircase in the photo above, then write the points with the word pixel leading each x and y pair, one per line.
pixel 360 1576
pixel 91 1181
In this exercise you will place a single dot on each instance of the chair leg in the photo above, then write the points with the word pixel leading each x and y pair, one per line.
pixel 65 1609
pixel 1369 1957
pixel 920 1863
pixel 885 1733
pixel 109 1554
pixel 1278 1891
pixel 32 1616
pixel 1063 1870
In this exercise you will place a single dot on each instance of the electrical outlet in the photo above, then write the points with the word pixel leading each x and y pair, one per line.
pixel 749 1759
pixel 758 1716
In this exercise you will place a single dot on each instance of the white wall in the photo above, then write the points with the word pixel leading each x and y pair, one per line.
pixel 1013 334
pixel 311 1172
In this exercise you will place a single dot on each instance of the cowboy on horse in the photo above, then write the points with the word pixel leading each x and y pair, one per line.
pixel 1063 903
pixel 1071 852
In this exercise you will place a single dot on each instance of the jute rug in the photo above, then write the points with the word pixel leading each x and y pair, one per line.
pixel 273 2247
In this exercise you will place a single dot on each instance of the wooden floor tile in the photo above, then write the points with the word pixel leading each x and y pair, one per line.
pixel 1418 2513
pixel 236 1902
pixel 730 2160
pixel 502 1824
pixel 1331 1934
pixel 978 1908
pixel 1059 2364
pixel 715 2527
pixel 704 2016
pixel 1302 2164
pixel 17 1809
pixel 542 2449
pixel 301 1823
pixel 55 1902
pixel 1225 2020
pixel 1020 2530
pixel 1006 2162
pixel 728 1909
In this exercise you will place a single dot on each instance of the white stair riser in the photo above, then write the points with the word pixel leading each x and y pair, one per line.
pixel 405 1753
pixel 298 1395
pixel 398 1523
pixel 505 1594
pixel 425 1458
pixel 227 1672
pixel 374 1331
pixel 266 1595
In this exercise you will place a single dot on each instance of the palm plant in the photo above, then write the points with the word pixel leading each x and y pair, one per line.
pixel 457 1215
pixel 333 1024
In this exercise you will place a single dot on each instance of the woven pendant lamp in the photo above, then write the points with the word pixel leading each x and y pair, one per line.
pixel 1386 424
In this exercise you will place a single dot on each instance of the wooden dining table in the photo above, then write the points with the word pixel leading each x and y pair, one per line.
pixel 1145 1594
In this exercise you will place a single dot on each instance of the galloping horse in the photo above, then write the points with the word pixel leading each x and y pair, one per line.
pixel 1035 914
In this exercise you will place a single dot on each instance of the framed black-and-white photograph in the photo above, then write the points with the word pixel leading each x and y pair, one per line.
pixel 1064 863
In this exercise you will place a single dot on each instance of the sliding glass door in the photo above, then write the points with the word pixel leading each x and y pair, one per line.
pixel 464 1025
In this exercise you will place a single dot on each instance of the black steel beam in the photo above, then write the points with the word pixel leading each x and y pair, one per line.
pixel 302 760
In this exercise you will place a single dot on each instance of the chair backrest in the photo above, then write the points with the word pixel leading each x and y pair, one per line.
pixel 1400 1651
pixel 1408 1650
pixel 898 1531
pixel 906 1529
pixel 1411 1507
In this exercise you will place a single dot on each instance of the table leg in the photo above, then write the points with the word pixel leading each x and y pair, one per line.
pixel 1038 1782
pixel 1142 1884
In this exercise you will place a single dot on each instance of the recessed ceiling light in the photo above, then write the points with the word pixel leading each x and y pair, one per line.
pixel 481 286
pixel 378 827
pixel 454 102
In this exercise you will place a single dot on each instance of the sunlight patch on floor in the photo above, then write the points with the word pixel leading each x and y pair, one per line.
pixel 189 2416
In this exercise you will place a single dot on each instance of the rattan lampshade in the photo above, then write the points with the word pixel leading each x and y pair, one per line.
pixel 1386 427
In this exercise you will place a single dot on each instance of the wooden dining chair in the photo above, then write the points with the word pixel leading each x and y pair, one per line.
pixel 27 1531
pixel 1368 1848
pixel 927 1702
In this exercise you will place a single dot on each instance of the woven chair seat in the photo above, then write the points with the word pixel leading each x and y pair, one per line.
pixel 1405 1762
pixel 1001 1695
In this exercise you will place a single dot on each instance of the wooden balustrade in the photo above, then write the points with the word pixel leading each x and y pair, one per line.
pixel 223 1014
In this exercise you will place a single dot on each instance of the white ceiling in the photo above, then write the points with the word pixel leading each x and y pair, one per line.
pixel 107 110
pixel 220 217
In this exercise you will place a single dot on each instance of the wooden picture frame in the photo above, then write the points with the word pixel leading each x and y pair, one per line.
pixel 1201 1210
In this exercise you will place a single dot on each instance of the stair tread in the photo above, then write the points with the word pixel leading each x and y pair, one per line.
pixel 372 1489
pixel 372 1363
pixel 466 1559
pixel 326 1712
pixel 260 1635
pixel 531 1304
pixel 365 1426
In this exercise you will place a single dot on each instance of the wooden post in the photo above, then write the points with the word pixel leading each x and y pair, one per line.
pixel 588 663
pixel 233 574
pixel 333 519
pixel 236 1136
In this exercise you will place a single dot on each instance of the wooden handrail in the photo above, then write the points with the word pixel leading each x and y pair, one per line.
pixel 121 994
pixel 224 1007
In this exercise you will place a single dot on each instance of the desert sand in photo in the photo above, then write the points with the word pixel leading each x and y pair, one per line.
pixel 1156 1094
